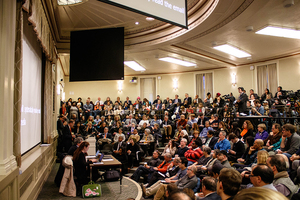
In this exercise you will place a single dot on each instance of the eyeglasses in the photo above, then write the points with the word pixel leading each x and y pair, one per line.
pixel 251 175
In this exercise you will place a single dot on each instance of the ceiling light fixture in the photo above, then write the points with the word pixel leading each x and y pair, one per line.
pixel 69 2
pixel 177 61
pixel 134 65
pixel 136 23
pixel 226 48
pixel 280 32
pixel 150 19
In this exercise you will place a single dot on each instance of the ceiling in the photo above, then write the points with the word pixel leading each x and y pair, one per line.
pixel 211 22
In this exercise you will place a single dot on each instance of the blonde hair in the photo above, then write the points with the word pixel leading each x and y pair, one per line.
pixel 262 157
pixel 263 126
pixel 259 193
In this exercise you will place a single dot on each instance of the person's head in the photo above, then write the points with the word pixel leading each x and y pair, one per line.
pixel 229 182
pixel 191 171
pixel 249 141
pixel 262 157
pixel 261 175
pixel 182 117
pixel 208 95
pixel 155 154
pixel 222 156
pixel 168 157
pixel 251 91
pixel 171 143
pixel 232 137
pixel 216 168
pixel 135 131
pixel 105 130
pixel 258 144
pixel 132 141
pixel 210 133
pixel 166 118
pixel 147 131
pixel 83 147
pixel 206 151
pixel 78 141
pixel 276 128
pixel 176 161
pixel 196 134
pixel 222 125
pixel 183 162
pixel 276 163
pixel 267 91
pixel 209 184
pixel 279 88
pixel 195 144
pixel 257 103
pixel 259 193
pixel 222 135
pixel 183 142
pixel 240 89
pixel 180 128
pixel 207 124
pixel 261 127
pixel 120 138
pixel 288 130
pixel 247 125
pixel 71 123
pixel 171 189
pixel 186 95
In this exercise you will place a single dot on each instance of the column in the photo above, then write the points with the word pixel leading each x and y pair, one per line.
pixel 7 55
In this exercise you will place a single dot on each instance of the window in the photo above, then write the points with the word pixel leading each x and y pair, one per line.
pixel 267 78
pixel 204 84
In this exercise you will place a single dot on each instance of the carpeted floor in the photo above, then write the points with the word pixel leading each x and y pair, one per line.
pixel 110 190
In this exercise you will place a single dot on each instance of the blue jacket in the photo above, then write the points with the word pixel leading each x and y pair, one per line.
pixel 223 145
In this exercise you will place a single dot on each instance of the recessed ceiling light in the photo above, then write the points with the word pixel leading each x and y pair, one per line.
pixel 279 32
pixel 149 19
pixel 136 23
pixel 177 61
pixel 226 48
pixel 134 65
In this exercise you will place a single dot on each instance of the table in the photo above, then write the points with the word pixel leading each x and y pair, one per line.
pixel 107 165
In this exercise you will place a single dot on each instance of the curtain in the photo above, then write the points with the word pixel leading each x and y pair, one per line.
pixel 199 86
pixel 262 82
pixel 41 26
pixel 48 104
pixel 153 88
pixel 142 80
pixel 209 84
pixel 272 78
pixel 18 84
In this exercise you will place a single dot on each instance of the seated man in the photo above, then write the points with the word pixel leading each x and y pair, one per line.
pixel 209 188
pixel 229 183
pixel 134 135
pixel 202 161
pixel 222 158
pixel 258 109
pixel 223 143
pixel 167 127
pixel 262 176
pixel 210 140
pixel 238 148
pixel 119 150
pixel 188 181
pixel 182 122
pixel 147 168
pixel 194 153
pixel 172 170
pixel 205 129
pixel 129 123
pixel 192 120
pixel 182 172
pixel 77 142
pixel 147 142
pixel 282 181
pixel 182 148
pixel 201 120
pixel 163 167
pixel 290 141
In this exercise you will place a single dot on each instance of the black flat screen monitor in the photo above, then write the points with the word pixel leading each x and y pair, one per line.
pixel 97 55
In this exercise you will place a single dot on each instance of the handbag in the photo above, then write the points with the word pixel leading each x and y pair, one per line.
pixel 112 175
pixel 91 190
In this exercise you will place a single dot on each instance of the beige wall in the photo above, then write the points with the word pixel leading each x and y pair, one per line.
pixel 288 78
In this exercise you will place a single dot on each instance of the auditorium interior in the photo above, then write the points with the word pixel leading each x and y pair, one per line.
pixel 46 25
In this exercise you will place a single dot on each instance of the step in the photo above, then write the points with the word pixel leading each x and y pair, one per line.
pixel 147 158
pixel 161 149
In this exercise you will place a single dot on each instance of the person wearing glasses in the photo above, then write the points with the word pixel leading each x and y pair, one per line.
pixel 262 176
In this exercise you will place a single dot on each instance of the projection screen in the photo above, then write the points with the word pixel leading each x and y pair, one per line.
pixel 171 11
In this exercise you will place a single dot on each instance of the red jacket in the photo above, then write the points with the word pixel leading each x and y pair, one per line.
pixel 163 167
pixel 182 123
pixel 193 155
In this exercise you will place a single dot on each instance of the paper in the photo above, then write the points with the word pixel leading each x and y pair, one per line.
pixel 98 163
pixel 107 159
pixel 90 157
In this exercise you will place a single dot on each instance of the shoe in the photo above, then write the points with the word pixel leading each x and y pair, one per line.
pixel 144 190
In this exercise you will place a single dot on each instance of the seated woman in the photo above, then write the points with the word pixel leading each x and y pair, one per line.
pixel 119 134
pixel 132 149
pixel 235 129
pixel 147 142
pixel 195 137
pixel 155 120
pixel 89 130
pixel 247 130
pixel 264 95
pixel 221 127
pixel 81 165
pixel 194 128
pixel 144 120
pixel 274 137
pixel 170 148
pixel 109 121
pixel 262 133
pixel 200 109
pixel 190 109
pixel 90 119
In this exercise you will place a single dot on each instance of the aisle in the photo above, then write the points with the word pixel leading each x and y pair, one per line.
pixel 110 190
